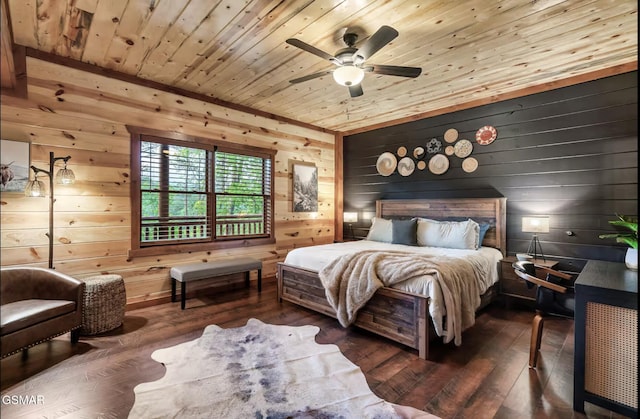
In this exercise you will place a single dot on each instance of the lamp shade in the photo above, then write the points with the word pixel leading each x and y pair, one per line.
pixel 35 188
pixel 350 217
pixel 65 176
pixel 348 75
pixel 535 224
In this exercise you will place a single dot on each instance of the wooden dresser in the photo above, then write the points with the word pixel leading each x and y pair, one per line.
pixel 606 338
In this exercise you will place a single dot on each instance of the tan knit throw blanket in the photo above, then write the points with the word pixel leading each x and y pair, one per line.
pixel 351 280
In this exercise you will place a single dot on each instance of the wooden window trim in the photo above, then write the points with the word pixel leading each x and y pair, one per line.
pixel 137 134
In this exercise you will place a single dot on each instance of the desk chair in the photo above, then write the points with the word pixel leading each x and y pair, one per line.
pixel 554 297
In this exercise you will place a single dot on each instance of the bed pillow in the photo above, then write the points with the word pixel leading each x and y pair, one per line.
pixel 484 227
pixel 449 234
pixel 381 230
pixel 404 232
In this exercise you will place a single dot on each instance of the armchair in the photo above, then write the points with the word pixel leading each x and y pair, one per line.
pixel 555 296
pixel 36 305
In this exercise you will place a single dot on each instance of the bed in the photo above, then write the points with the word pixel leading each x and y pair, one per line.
pixel 400 315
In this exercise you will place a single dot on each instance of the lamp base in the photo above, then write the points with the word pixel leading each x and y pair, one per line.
pixel 534 245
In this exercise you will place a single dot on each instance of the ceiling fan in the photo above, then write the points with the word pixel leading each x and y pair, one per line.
pixel 350 61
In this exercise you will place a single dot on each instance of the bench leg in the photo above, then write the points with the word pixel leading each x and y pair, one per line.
pixel 183 290
pixel 259 280
pixel 173 290
pixel 246 278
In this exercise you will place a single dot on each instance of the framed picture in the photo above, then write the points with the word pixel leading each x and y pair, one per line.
pixel 14 165
pixel 305 188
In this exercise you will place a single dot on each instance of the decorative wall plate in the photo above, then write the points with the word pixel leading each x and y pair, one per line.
pixel 386 163
pixel 438 164
pixel 451 135
pixel 448 150
pixel 406 166
pixel 486 135
pixel 418 152
pixel 463 148
pixel 402 151
pixel 434 146
pixel 421 165
pixel 469 164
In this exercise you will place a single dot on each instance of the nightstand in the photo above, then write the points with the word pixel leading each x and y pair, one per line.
pixel 511 285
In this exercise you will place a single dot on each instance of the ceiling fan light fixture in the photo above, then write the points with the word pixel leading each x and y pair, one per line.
pixel 348 75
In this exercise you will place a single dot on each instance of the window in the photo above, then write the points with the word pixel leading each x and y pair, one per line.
pixel 191 194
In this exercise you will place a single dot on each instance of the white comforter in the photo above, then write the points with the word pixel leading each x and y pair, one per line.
pixel 485 263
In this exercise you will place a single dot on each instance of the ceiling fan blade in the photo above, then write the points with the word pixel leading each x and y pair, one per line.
pixel 382 37
pixel 311 76
pixel 394 70
pixel 356 90
pixel 310 48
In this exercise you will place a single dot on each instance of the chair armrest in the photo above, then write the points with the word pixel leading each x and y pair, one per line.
pixel 541 282
pixel 553 272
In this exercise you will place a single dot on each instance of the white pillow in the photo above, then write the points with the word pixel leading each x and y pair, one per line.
pixel 449 234
pixel 381 230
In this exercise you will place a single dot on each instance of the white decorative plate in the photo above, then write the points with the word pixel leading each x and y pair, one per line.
pixel 469 164
pixel 434 146
pixel 463 148
pixel 438 164
pixel 402 151
pixel 486 135
pixel 386 163
pixel 418 152
pixel 451 135
pixel 406 166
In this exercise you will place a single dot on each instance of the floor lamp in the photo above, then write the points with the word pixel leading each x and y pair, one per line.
pixel 35 188
pixel 535 225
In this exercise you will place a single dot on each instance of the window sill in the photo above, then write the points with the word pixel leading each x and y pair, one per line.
pixel 197 247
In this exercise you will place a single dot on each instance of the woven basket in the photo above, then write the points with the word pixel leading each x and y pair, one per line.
pixel 104 303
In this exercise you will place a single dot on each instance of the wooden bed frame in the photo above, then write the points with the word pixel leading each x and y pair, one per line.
pixel 398 315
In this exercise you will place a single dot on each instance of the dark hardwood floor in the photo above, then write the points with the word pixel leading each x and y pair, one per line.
pixel 486 377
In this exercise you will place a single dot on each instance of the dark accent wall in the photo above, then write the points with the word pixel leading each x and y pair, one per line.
pixel 570 153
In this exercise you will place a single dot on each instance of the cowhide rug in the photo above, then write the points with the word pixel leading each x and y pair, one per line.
pixel 260 371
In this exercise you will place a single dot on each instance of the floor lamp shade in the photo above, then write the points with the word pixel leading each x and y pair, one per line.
pixel 535 225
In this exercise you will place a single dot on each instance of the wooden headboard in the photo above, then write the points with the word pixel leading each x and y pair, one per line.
pixel 489 210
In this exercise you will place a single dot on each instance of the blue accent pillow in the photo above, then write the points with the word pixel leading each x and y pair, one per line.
pixel 404 232
pixel 484 227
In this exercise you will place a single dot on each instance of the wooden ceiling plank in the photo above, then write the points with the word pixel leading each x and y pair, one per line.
pixel 134 17
pixel 202 42
pixel 23 22
pixel 227 50
pixel 106 19
pixel 194 14
pixel 152 34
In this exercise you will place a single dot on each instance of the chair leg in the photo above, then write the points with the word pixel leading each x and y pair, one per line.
pixel 75 335
pixel 536 338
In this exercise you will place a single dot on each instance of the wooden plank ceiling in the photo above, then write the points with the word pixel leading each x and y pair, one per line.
pixel 235 50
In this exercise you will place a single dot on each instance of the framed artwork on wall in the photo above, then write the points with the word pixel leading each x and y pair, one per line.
pixel 305 188
pixel 14 165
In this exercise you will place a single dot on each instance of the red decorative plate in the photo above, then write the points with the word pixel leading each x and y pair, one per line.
pixel 486 135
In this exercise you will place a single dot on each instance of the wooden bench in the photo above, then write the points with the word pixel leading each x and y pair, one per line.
pixel 204 270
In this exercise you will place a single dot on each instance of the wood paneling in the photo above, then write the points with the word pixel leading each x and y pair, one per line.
pixel 76 113
pixel 469 51
pixel 570 153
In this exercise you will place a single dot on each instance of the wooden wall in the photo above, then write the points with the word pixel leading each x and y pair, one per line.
pixel 570 153
pixel 77 113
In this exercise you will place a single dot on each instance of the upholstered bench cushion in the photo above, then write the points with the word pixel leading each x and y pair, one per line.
pixel 25 313
pixel 204 270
